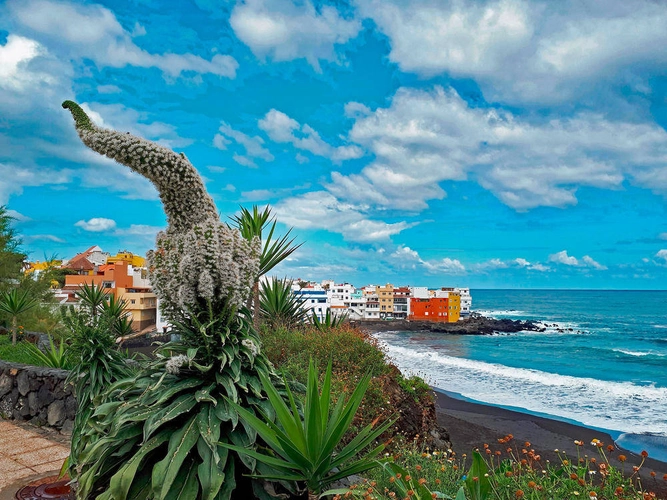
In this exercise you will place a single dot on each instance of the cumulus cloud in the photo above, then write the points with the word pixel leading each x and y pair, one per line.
pixel 97 224
pixel 518 263
pixel 281 128
pixel 662 254
pixel 586 261
pixel 405 257
pixel 92 31
pixel 321 210
pixel 252 146
pixel 31 238
pixel 426 137
pixel 524 51
pixel 285 30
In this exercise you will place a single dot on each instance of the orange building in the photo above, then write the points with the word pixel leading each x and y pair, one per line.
pixel 435 309
pixel 118 279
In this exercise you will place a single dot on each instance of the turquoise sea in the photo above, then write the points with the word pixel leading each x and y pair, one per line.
pixel 602 361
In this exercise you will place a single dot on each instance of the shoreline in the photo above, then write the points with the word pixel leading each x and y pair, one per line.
pixel 471 425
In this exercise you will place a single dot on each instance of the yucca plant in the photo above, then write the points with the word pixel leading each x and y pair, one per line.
pixel 53 357
pixel 14 303
pixel 305 448
pixel 275 249
pixel 280 307
pixel 92 298
pixel 328 322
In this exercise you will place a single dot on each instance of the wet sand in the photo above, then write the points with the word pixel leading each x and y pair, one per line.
pixel 470 425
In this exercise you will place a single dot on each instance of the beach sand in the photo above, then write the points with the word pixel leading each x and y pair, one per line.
pixel 470 425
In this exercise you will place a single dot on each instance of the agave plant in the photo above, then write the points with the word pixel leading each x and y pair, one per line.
pixel 53 357
pixel 329 321
pixel 279 306
pixel 305 449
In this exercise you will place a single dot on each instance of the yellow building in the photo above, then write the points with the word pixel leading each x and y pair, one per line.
pixel 454 307
pixel 386 298
pixel 141 304
pixel 129 257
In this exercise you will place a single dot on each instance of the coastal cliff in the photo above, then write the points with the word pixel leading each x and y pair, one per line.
pixel 477 325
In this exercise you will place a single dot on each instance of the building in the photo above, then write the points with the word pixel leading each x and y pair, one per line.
pixel 120 279
pixel 434 309
pixel 314 298
pixel 401 302
pixel 386 299
pixel 372 310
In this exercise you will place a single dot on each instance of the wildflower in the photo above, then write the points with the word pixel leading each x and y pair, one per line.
pixel 575 493
pixel 610 448
pixel 418 467
pixel 422 481
pixel 518 494
pixel 578 443
pixel 532 484
pixel 437 481
pixel 565 462
pixel 574 476
pixel 622 458
pixel 664 478
pixel 250 345
pixel 592 494
pixel 652 473
pixel 527 444
pixel 644 453
pixel 508 473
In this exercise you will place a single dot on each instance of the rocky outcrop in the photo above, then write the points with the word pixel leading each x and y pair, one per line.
pixel 478 325
pixel 38 395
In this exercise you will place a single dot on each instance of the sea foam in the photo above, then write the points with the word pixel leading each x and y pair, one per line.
pixel 618 406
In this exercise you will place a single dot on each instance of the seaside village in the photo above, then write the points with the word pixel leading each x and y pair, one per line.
pixel 125 276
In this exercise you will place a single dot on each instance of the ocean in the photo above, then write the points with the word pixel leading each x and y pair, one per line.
pixel 602 361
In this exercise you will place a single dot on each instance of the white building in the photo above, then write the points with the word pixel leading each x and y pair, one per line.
pixel 314 299
pixel 419 292
pixel 372 310
pixel 466 300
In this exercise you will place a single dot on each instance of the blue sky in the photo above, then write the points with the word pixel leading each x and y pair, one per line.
pixel 504 144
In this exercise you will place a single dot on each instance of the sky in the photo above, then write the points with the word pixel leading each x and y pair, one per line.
pixel 489 144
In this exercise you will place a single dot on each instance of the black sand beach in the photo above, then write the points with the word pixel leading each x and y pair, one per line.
pixel 470 425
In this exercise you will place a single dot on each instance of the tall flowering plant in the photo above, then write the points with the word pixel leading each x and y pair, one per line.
pixel 156 435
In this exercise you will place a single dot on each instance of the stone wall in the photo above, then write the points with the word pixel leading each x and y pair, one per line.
pixel 36 394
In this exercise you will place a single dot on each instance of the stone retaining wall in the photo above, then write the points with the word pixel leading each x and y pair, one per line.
pixel 38 395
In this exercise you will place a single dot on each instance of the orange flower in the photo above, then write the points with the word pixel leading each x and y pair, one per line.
pixel 532 484
pixel 664 478
pixel 422 481
pixel 610 448
pixel 574 476
pixel 644 453
pixel 518 494
pixel 622 458
pixel 527 444
pixel 652 473
pixel 510 474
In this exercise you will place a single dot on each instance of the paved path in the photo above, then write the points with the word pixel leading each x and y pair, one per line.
pixel 24 453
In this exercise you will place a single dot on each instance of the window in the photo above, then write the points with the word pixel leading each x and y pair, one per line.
pixel 132 301
pixel 141 300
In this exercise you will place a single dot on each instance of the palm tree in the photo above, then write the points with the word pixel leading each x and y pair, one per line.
pixel 274 249
pixel 15 303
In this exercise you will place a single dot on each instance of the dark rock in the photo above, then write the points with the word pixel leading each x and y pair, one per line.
pixel 70 407
pixel 22 407
pixel 67 427
pixel 6 384
pixel 33 403
pixel 23 383
pixel 45 396
pixel 477 325
pixel 56 413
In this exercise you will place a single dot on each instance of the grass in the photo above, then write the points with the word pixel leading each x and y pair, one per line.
pixel 353 354
pixel 14 353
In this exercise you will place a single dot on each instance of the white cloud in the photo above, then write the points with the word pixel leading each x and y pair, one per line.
pixel 15 58
pixel 97 224
pixel 404 257
pixel 92 31
pixel 518 263
pixel 17 216
pixel 265 194
pixel 281 128
pixel 586 261
pixel 522 262
pixel 425 137
pixel 525 51
pixel 590 262
pixel 253 146
pixel 14 178
pixel 563 258
pixel 139 230
pixel 285 30
pixel 662 254
pixel 321 210
pixel 43 237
